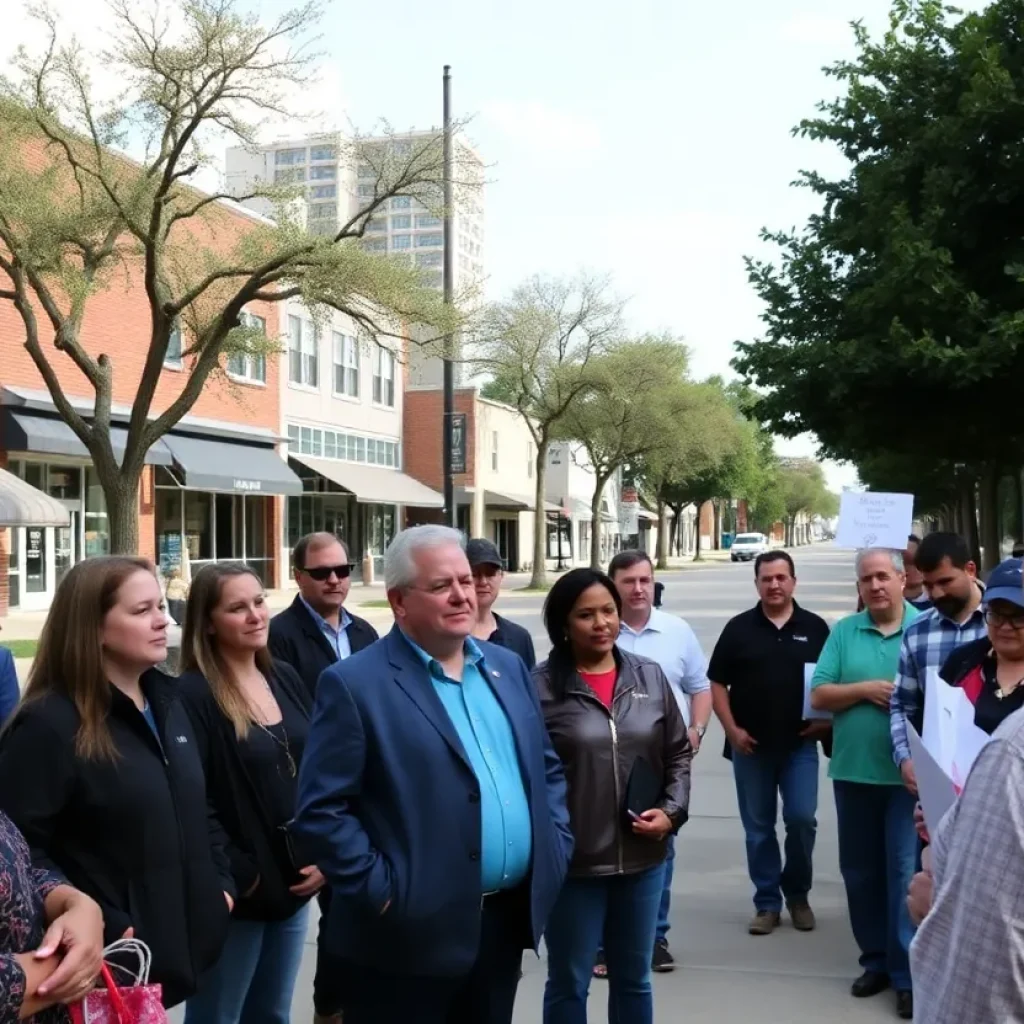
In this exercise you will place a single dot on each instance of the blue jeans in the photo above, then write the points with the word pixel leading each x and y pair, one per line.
pixel 760 779
pixel 666 892
pixel 877 853
pixel 624 910
pixel 254 979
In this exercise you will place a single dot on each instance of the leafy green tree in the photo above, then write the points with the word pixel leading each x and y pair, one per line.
pixel 541 349
pixel 77 217
pixel 638 391
pixel 893 319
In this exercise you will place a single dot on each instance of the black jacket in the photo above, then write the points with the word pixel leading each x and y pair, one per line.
pixel 256 848
pixel 295 639
pixel 598 749
pixel 133 833
pixel 514 637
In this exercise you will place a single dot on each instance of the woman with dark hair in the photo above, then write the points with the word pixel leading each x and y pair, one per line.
pixel 99 771
pixel 616 725
pixel 251 719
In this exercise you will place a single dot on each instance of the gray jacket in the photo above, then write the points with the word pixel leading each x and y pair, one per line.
pixel 598 748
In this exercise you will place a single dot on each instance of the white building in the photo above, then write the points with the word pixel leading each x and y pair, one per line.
pixel 570 484
pixel 342 411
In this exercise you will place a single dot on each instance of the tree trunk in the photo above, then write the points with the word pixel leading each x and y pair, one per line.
pixel 660 559
pixel 716 525
pixel 1019 481
pixel 697 556
pixel 121 493
pixel 679 529
pixel 969 519
pixel 988 514
pixel 595 521
pixel 539 578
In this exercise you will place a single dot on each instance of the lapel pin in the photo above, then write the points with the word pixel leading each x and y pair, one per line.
pixel 497 675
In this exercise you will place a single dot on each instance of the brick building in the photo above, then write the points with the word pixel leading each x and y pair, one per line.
pixel 496 494
pixel 210 489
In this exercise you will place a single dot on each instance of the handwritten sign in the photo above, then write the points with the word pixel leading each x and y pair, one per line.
pixel 873 519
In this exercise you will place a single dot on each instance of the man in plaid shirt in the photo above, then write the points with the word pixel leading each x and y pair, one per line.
pixel 955 619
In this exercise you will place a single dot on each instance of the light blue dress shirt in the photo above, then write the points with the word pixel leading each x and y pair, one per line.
pixel 337 638
pixel 486 736
pixel 672 643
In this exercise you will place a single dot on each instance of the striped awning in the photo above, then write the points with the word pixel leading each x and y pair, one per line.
pixel 21 504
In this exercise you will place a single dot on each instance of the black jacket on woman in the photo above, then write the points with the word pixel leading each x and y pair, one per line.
pixel 598 748
pixel 133 833
pixel 256 847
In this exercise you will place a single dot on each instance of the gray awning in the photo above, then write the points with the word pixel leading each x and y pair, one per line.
pixel 502 500
pixel 28 432
pixel 21 504
pixel 374 484
pixel 208 465
pixel 581 512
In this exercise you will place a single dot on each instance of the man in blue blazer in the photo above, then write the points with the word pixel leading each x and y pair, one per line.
pixel 431 799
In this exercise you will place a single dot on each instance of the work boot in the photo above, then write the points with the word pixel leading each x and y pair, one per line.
pixel 802 915
pixel 764 922
pixel 869 984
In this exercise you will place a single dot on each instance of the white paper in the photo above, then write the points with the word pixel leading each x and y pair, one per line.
pixel 810 714
pixel 950 735
pixel 934 787
pixel 874 519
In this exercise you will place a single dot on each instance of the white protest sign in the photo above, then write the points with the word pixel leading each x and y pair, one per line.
pixel 934 786
pixel 873 519
pixel 811 714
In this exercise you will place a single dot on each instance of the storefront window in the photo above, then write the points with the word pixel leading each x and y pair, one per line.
pixel 13 572
pixel 97 528
pixel 168 529
pixel 198 531
pixel 379 533
pixel 35 560
pixel 314 513
pixel 64 482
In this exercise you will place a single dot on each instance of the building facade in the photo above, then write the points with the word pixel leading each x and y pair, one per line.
pixel 496 496
pixel 211 489
pixel 342 412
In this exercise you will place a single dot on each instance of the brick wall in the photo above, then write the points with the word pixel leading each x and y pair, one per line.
pixel 421 437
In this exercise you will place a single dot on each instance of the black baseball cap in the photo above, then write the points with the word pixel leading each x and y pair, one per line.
pixel 483 552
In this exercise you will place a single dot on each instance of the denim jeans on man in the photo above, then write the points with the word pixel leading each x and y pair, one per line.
pixel 877 852
pixel 666 891
pixel 623 909
pixel 760 779
pixel 254 979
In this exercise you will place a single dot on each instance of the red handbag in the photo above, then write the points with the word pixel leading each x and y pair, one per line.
pixel 139 1003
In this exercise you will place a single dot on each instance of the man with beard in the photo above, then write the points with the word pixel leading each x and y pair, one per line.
pixel 955 618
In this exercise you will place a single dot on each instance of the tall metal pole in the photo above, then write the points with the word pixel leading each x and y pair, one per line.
pixel 450 511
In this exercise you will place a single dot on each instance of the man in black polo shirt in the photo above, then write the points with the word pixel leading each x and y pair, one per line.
pixel 485 561
pixel 757 682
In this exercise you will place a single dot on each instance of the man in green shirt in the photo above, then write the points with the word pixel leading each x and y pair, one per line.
pixel 877 842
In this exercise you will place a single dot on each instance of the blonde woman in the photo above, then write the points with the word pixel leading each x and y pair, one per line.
pixel 100 771
pixel 251 718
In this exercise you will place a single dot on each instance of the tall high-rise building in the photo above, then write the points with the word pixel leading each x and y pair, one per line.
pixel 340 177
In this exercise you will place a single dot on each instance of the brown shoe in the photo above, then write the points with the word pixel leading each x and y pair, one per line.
pixel 334 1018
pixel 803 916
pixel 764 922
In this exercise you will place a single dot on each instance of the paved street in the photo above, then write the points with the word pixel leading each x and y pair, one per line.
pixel 727 976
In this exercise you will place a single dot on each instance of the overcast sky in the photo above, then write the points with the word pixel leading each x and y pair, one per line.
pixel 650 140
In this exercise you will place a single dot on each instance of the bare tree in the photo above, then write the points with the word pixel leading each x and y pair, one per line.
pixel 77 216
pixel 539 349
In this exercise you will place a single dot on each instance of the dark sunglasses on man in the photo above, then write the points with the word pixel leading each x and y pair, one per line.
pixel 322 573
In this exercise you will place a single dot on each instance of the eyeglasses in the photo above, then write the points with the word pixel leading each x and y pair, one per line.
pixel 322 573
pixel 1015 620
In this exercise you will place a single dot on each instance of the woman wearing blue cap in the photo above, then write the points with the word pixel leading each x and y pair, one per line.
pixel 990 671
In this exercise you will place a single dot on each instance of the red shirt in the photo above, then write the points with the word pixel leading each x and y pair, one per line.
pixel 602 683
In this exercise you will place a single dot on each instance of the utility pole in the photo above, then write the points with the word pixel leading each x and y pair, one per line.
pixel 450 511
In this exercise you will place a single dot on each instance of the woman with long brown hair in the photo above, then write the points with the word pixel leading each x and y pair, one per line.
pixel 100 771
pixel 251 718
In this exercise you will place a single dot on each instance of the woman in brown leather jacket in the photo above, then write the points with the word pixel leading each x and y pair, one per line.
pixel 615 724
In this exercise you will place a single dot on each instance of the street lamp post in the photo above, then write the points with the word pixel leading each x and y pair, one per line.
pixel 450 512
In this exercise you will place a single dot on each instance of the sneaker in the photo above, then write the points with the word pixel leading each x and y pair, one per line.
pixel 905 1005
pixel 803 916
pixel 764 922
pixel 662 961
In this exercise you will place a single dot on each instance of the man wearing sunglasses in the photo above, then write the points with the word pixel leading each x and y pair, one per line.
pixel 317 630
pixel 311 635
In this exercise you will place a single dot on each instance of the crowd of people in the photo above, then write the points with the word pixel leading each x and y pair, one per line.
pixel 450 802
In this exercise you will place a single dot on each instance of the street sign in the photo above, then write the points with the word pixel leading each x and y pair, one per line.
pixel 629 511
pixel 458 422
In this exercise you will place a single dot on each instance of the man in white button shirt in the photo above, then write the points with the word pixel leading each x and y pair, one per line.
pixel 669 641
